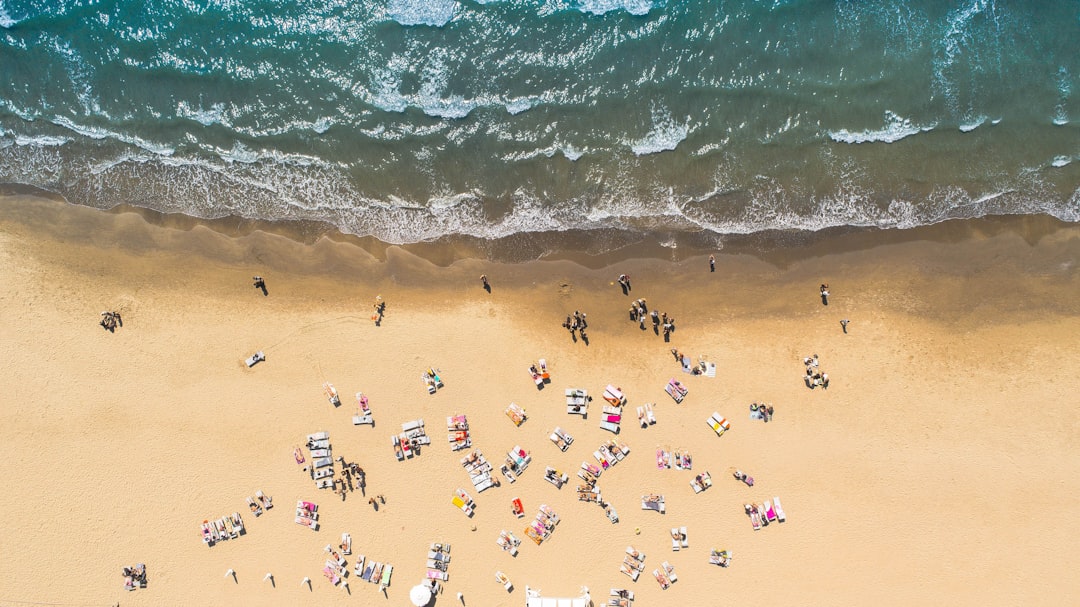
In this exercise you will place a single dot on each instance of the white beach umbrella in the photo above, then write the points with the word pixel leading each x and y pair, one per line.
pixel 420 595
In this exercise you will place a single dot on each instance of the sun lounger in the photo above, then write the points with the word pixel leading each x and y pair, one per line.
pixel 588 496
pixel 307 522
pixel 755 516
pixel 324 483
pixel 649 413
pixel 768 512
pixel 701 482
pixel 506 545
pixel 673 393
pixel 255 358
pixel 504 580
pixel 320 454
pixel 675 543
pixel 384 581
pixel 612 515
pixel 409 426
pixel 265 500
pixel 555 477
pixel 633 552
pixel 669 570
pixel 684 538
pixel 534 535
pixel 515 413
pixel 322 443
pixel 435 574
pixel 346 543
pixel 630 571
pixel 376 573
pixel 323 473
pixel 614 395
pixel 254 507
pixel 462 505
pixel 612 427
pixel 317 436
pixel 612 410
pixel 366 576
pixel 358 567
pixel 662 459
pixel 718 423
pixel 633 563
pixel 307 514
pixel 619 592
pixel 592 469
pixel 780 516
pixel 661 579
pixel 366 418
pixel 331 394
pixel 653 502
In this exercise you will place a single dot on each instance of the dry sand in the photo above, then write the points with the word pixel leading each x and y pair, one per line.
pixel 940 466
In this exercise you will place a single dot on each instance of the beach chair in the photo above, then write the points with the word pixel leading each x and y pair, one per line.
pixel 515 413
pixel 614 395
pixel 331 394
pixel 718 423
pixel 536 377
pixel 619 592
pixel 384 581
pixel 669 570
pixel 653 502
pixel 265 500
pixel 629 571
pixel 322 462
pixel 768 512
pixel 307 522
pixel 358 567
pixel 675 543
pixel 433 373
pixel 429 384
pixel 780 516
pixel 462 505
pixel 633 552
pixel 505 544
pixel 612 515
pixel 504 580
pixel 255 358
pixel 366 576
pixel 661 579
pixel 318 436
pixel 641 417
pixel 673 393
pixel 612 427
pixel 662 459
pixel 435 574
pixel 323 473
pixel 683 538
pixel 409 426
pixel 254 507
pixel 376 573
pixel 755 516
pixel 649 413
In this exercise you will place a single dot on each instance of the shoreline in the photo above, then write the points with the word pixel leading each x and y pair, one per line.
pixel 917 465
pixel 589 248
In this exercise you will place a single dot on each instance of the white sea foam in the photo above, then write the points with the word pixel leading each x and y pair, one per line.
pixel 895 129
pixel 599 7
pixel 519 105
pixel 571 153
pixel 666 134
pixel 1060 161
pixel 215 114
pixel 40 140
pixel 100 133
pixel 436 13
pixel 6 21
pixel 970 125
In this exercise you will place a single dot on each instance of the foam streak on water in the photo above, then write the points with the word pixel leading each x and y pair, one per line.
pixel 412 120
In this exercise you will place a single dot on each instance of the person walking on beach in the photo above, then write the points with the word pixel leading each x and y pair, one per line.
pixel 485 283
pixel 260 284
pixel 712 263
pixel 624 282
pixel 844 324
pixel 824 294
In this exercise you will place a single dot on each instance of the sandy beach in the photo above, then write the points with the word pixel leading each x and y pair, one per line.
pixel 941 465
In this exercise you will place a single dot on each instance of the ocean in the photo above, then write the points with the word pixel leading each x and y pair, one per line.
pixel 415 120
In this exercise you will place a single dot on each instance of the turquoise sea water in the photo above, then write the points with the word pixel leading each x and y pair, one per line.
pixel 414 119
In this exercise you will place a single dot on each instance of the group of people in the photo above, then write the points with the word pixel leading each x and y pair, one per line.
pixel 762 410
pixel 577 324
pixel 345 483
pixel 111 320
pixel 624 282
pixel 814 375
pixel 639 311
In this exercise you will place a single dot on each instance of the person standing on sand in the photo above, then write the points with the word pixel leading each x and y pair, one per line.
pixel 485 283
pixel 712 263
pixel 824 294
pixel 260 284
pixel 844 324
